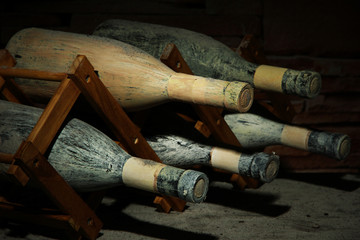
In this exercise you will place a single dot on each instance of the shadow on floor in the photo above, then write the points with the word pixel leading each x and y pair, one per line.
pixel 114 219
pixel 255 202
pixel 331 180
pixel 123 222
pixel 22 230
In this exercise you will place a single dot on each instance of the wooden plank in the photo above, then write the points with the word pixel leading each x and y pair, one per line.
pixel 54 115
pixel 32 74
pixel 12 92
pixel 18 175
pixel 6 60
pixel 9 89
pixel 6 158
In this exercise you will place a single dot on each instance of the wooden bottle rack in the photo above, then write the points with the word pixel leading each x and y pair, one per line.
pixel 29 163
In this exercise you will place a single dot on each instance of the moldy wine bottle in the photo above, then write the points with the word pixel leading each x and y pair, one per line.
pixel 89 160
pixel 136 79
pixel 254 131
pixel 210 58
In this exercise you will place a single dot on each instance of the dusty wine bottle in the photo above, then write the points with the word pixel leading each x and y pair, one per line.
pixel 136 79
pixel 180 151
pixel 210 58
pixel 173 150
pixel 254 131
pixel 89 160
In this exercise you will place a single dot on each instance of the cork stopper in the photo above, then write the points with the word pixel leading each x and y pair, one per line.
pixel 315 85
pixel 193 186
pixel 344 148
pixel 259 165
pixel 245 99
pixel 268 167
pixel 199 188
pixel 239 96
pixel 272 170
pixel 302 83
pixel 334 145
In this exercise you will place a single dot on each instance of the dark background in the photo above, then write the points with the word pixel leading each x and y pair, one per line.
pixel 301 34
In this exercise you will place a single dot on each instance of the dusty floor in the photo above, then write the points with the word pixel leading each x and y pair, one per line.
pixel 313 206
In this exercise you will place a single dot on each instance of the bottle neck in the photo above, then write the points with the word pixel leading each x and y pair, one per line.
pixel 269 78
pixel 235 96
pixel 295 137
pixel 225 159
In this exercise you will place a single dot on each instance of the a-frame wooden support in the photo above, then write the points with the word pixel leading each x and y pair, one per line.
pixel 29 161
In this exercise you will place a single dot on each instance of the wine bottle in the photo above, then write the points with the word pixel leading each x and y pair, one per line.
pixel 254 131
pixel 179 151
pixel 89 160
pixel 172 149
pixel 210 58
pixel 136 79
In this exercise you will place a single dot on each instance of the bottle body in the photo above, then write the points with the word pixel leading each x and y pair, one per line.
pixel 89 160
pixel 179 151
pixel 210 58
pixel 95 171
pixel 254 131
pixel 135 79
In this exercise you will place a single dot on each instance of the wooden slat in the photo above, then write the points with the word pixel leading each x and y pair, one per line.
pixel 54 115
pixel 6 158
pixel 9 89
pixel 32 74
pixel 12 92
pixel 6 59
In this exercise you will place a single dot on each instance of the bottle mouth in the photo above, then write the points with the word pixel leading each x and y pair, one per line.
pixel 199 188
pixel 272 169
pixel 308 83
pixel 267 166
pixel 238 96
pixel 193 186
pixel 246 99
pixel 344 147
pixel 301 83
pixel 315 85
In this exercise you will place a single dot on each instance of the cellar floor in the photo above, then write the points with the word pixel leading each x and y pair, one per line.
pixel 301 206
